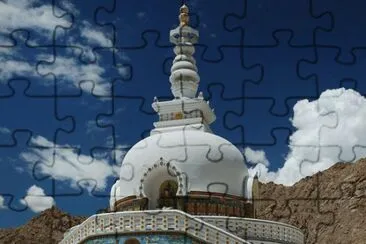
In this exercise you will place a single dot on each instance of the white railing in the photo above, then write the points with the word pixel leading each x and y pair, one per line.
pixel 257 229
pixel 149 221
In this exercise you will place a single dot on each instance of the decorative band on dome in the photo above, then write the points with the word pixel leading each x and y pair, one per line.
pixel 171 169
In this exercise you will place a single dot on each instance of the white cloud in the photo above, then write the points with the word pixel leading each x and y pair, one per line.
pixel 141 14
pixel 26 14
pixel 124 71
pixel 4 130
pixel 68 166
pixel 9 68
pixel 256 157
pixel 122 55
pixel 94 36
pixel 121 151
pixel 40 19
pixel 328 130
pixel 36 199
pixel 2 204
pixel 70 69
pixel 19 169
pixel 69 7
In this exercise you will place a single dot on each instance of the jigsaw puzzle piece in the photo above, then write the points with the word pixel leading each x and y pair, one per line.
pixel 214 36
pixel 346 193
pixel 244 124
pixel 343 74
pixel 299 204
pixel 314 216
pixel 345 105
pixel 351 188
pixel 216 92
pixel 119 123
pixel 38 20
pixel 84 173
pixel 224 90
pixel 69 73
pixel 60 170
pixel 135 58
pixel 33 113
pixel 140 13
pixel 113 153
pixel 261 19
pixel 275 150
pixel 145 21
pixel 74 176
pixel 85 35
pixel 62 222
pixel 267 207
pixel 274 85
pixel 20 61
pixel 347 29
pixel 14 210
pixel 85 117
pixel 87 190
pixel 311 151
pixel 15 195
pixel 239 72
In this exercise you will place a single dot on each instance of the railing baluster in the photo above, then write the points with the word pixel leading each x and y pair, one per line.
pixel 215 230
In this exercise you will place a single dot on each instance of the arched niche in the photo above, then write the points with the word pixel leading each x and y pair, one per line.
pixel 168 194
pixel 154 177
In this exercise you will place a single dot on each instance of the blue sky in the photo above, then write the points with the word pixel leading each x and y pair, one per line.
pixel 77 81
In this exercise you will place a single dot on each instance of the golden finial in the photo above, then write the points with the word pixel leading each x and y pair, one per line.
pixel 183 16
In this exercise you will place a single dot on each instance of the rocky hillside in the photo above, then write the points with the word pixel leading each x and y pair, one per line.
pixel 47 227
pixel 330 207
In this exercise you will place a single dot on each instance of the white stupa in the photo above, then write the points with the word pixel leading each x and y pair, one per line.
pixel 183 183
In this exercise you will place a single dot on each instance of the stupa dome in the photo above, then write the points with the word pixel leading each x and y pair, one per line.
pixel 207 162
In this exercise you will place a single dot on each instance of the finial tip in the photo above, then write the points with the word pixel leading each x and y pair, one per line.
pixel 184 9
pixel 183 16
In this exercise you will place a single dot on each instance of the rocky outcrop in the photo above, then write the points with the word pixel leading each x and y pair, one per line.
pixel 47 227
pixel 330 206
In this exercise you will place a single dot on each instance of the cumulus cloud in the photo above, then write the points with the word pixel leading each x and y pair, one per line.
pixel 328 130
pixel 256 157
pixel 66 165
pixel 37 200
pixel 2 202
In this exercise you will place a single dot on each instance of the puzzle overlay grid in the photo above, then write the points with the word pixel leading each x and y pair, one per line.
pixel 253 74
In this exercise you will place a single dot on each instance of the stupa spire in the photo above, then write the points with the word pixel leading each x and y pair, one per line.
pixel 184 78
pixel 187 110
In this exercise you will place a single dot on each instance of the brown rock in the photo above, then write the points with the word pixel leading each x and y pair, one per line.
pixel 329 206
pixel 47 227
